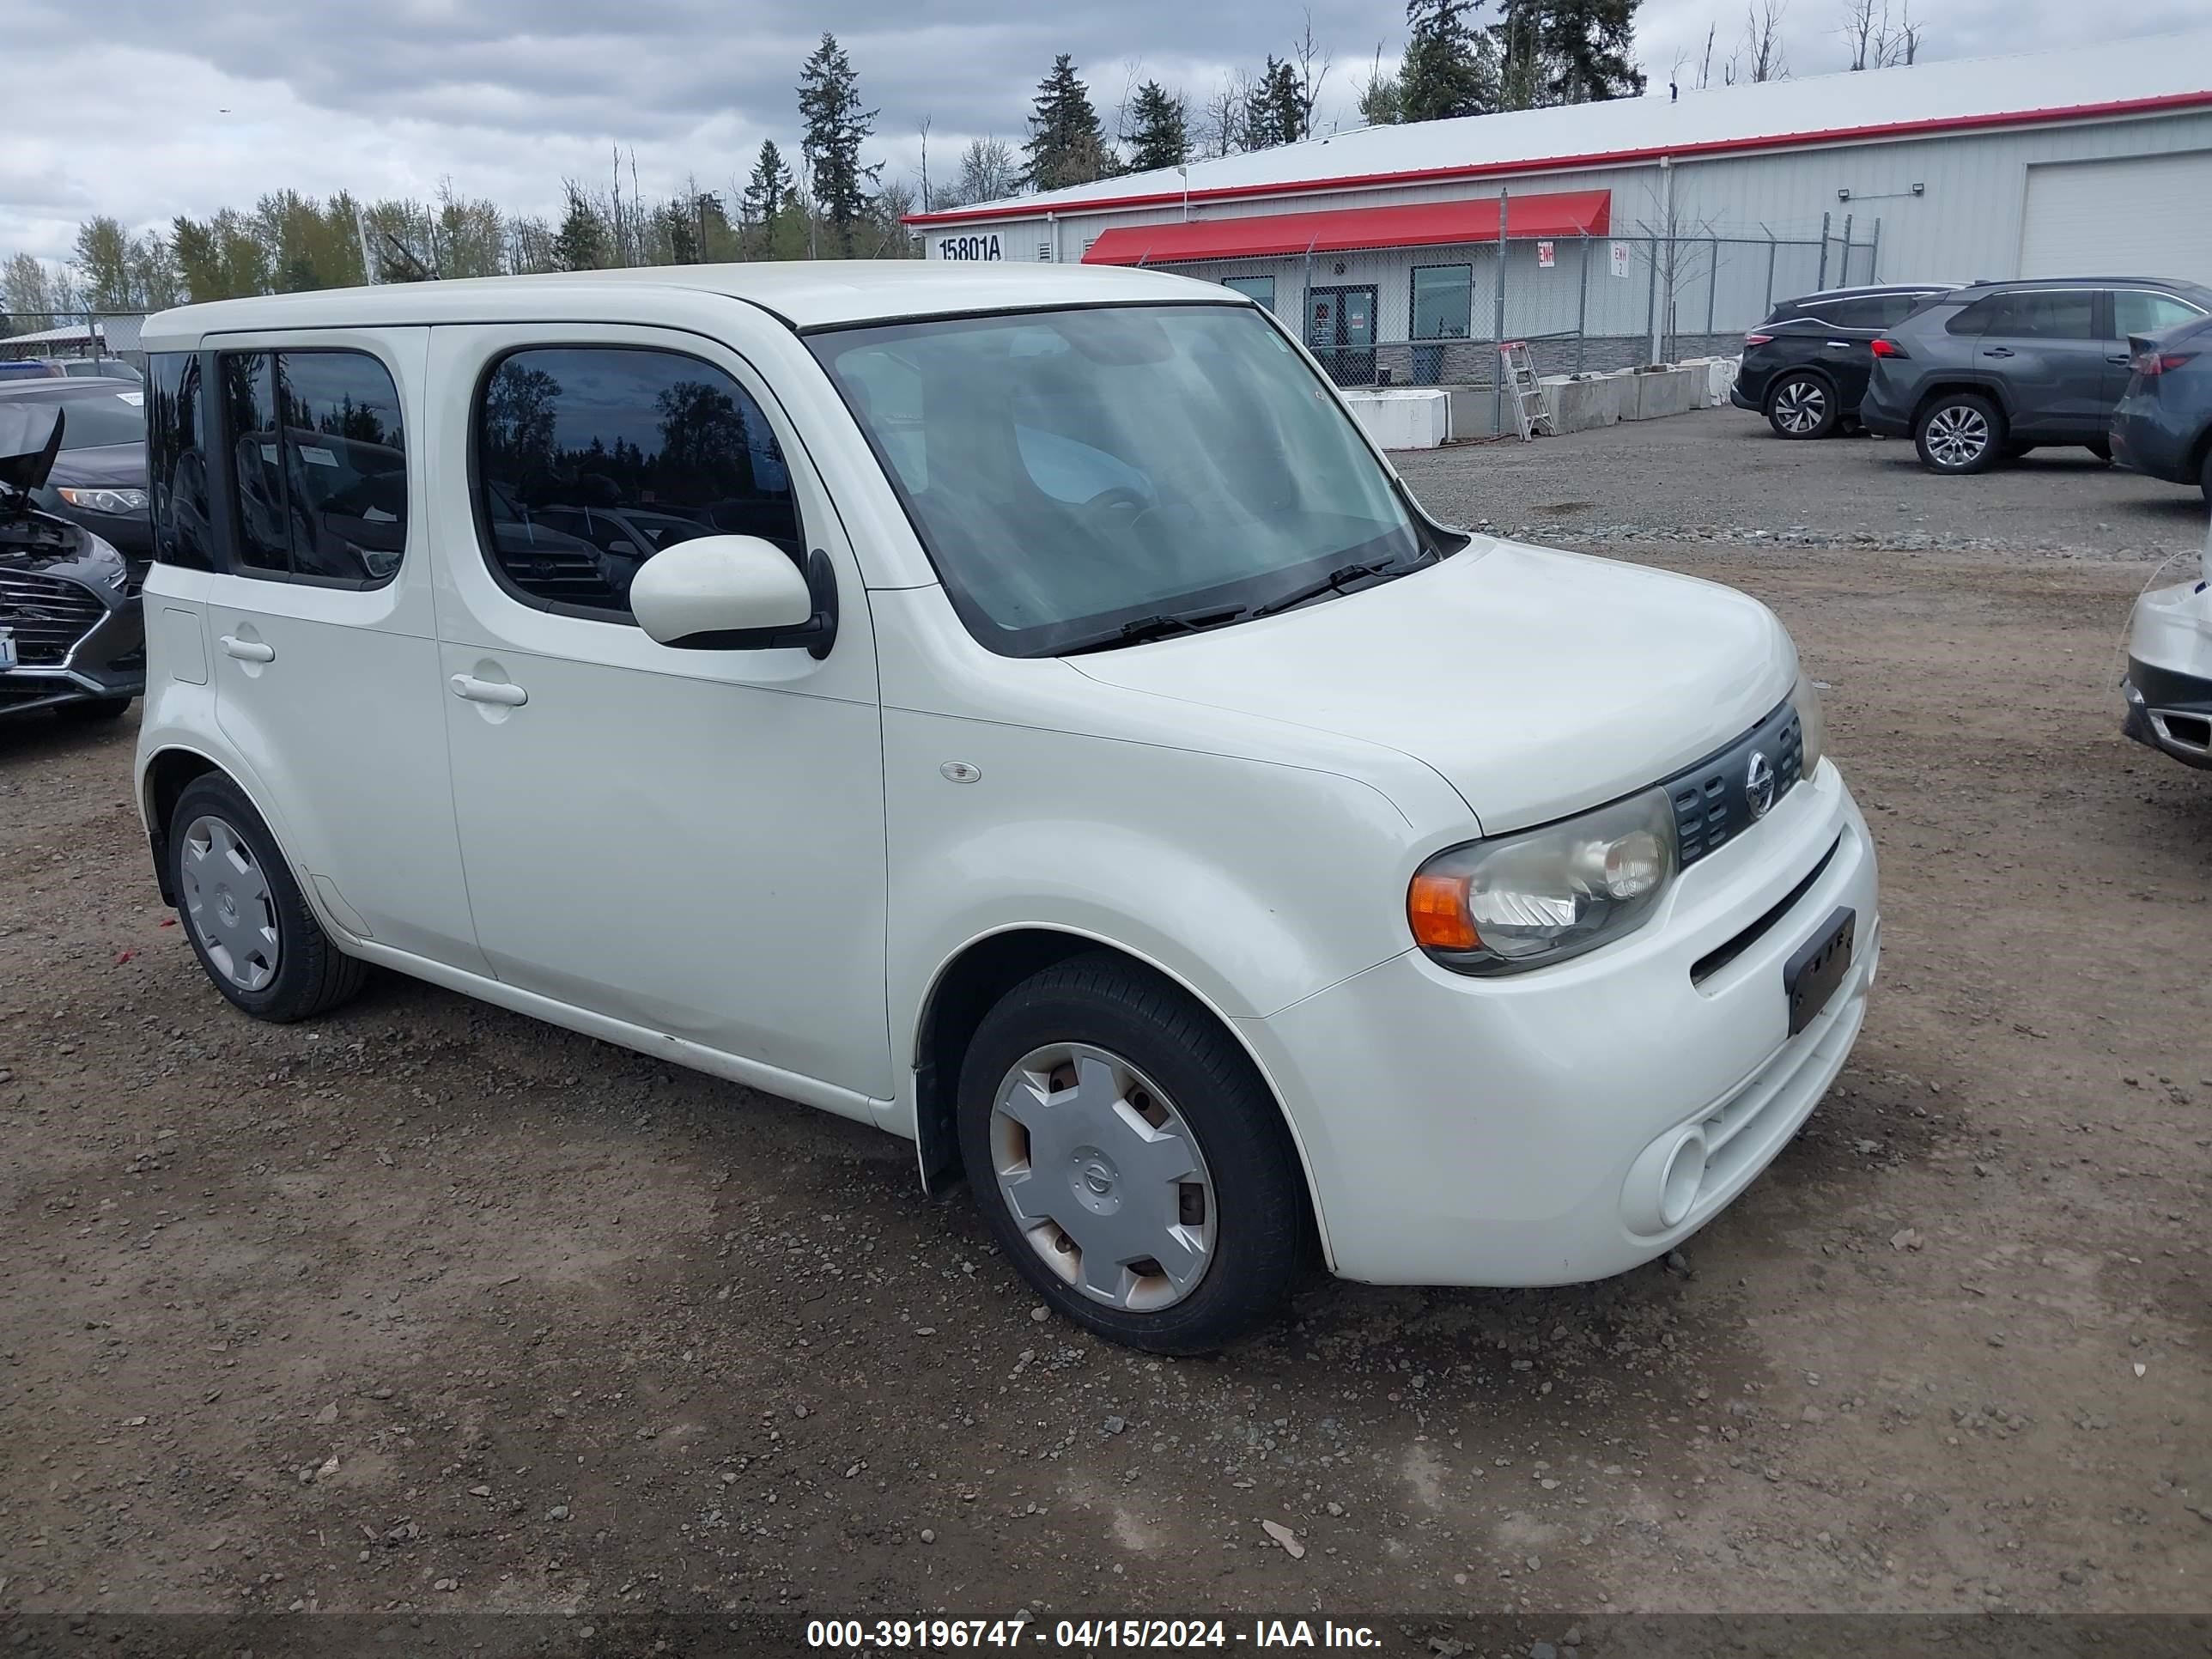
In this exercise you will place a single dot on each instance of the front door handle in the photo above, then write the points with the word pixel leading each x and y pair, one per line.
pixel 2119 357
pixel 1839 345
pixel 469 689
pixel 1998 351
pixel 248 650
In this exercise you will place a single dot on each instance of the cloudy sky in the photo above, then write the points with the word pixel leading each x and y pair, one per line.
pixel 148 108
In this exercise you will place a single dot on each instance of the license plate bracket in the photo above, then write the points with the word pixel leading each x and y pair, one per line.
pixel 1811 977
pixel 7 649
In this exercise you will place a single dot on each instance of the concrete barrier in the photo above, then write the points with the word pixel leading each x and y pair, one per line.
pixel 1653 393
pixel 1414 418
pixel 1577 406
pixel 1720 374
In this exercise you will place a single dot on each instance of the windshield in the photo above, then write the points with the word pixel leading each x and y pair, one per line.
pixel 1075 473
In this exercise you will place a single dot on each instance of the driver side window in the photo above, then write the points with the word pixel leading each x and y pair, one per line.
pixel 591 460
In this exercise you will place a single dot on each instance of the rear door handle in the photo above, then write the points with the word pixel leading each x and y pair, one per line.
pixel 2120 357
pixel 1998 351
pixel 1839 345
pixel 469 689
pixel 248 650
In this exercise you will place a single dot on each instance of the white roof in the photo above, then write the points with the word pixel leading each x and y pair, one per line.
pixel 805 294
pixel 2109 77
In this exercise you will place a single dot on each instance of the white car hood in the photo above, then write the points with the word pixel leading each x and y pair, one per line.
pixel 1536 682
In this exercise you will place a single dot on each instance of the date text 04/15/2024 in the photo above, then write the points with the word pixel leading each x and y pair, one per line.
pixel 1085 1634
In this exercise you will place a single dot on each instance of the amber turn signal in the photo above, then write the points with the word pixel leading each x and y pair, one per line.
pixel 1436 906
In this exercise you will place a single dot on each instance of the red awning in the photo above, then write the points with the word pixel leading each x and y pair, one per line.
pixel 1421 224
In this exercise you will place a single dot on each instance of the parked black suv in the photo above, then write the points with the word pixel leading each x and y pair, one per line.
pixel 1806 367
pixel 72 638
pixel 1994 370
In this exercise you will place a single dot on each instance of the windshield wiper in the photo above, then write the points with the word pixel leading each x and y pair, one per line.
pixel 1332 583
pixel 1159 627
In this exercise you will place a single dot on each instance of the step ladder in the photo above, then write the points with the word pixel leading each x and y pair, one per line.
pixel 1522 389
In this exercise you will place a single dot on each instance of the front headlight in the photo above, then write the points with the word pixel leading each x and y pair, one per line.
pixel 1812 724
pixel 104 501
pixel 1527 901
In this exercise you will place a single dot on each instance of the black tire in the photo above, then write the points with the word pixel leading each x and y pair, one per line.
pixel 1950 428
pixel 1803 405
pixel 88 710
pixel 311 974
pixel 2103 452
pixel 1262 1226
pixel 2204 475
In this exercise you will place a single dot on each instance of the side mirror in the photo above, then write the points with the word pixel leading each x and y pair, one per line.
pixel 736 594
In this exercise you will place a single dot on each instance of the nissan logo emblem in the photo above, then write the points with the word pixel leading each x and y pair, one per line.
pixel 1759 784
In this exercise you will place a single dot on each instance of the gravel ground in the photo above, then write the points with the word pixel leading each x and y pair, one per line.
pixel 1721 475
pixel 428 1306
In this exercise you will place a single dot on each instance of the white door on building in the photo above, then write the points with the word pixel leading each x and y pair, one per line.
pixel 2135 216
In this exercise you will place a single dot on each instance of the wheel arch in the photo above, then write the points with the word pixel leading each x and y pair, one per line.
pixel 167 773
pixel 970 981
pixel 1782 376
pixel 1952 385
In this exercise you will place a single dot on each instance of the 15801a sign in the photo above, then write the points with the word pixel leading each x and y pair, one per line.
pixel 984 246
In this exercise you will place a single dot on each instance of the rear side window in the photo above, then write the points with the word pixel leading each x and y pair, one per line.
pixel 176 465
pixel 590 460
pixel 2139 310
pixel 2056 313
pixel 1874 310
pixel 319 465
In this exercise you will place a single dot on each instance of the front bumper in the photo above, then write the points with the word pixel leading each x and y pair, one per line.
pixel 2170 711
pixel 1503 1132
pixel 107 661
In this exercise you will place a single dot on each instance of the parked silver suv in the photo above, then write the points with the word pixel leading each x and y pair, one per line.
pixel 1991 371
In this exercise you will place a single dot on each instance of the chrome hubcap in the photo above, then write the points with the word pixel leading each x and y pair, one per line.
pixel 1800 406
pixel 227 901
pixel 1104 1177
pixel 1957 437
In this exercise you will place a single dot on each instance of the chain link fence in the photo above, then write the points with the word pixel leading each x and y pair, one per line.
pixel 73 335
pixel 1435 316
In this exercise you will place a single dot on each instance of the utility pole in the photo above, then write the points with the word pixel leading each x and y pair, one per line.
pixel 360 231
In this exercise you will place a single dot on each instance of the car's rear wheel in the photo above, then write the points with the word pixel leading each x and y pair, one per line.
pixel 1128 1158
pixel 1802 406
pixel 243 912
pixel 2204 475
pixel 1960 432
pixel 2103 452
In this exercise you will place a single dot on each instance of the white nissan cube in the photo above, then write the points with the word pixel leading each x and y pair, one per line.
pixel 1015 706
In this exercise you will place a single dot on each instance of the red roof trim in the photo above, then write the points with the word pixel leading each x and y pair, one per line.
pixel 1398 224
pixel 2175 101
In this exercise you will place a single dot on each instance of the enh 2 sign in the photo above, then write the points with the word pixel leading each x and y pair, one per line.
pixel 983 244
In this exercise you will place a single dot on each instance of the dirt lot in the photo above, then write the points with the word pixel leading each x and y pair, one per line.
pixel 428 1305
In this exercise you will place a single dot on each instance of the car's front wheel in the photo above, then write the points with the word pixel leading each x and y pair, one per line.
pixel 243 911
pixel 86 711
pixel 1802 406
pixel 1960 432
pixel 2204 475
pixel 1130 1159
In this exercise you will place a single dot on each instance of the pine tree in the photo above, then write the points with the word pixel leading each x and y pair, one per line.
pixel 1160 136
pixel 1566 51
pixel 581 242
pixel 767 189
pixel 1449 66
pixel 1275 110
pixel 836 127
pixel 1065 146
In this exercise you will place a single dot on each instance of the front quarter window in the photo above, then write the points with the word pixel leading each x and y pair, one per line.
pixel 1076 473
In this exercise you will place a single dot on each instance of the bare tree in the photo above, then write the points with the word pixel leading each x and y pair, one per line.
pixel 1313 68
pixel 1765 57
pixel 1874 40
pixel 1221 118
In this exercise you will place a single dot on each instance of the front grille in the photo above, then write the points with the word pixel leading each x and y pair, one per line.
pixel 1713 800
pixel 47 615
